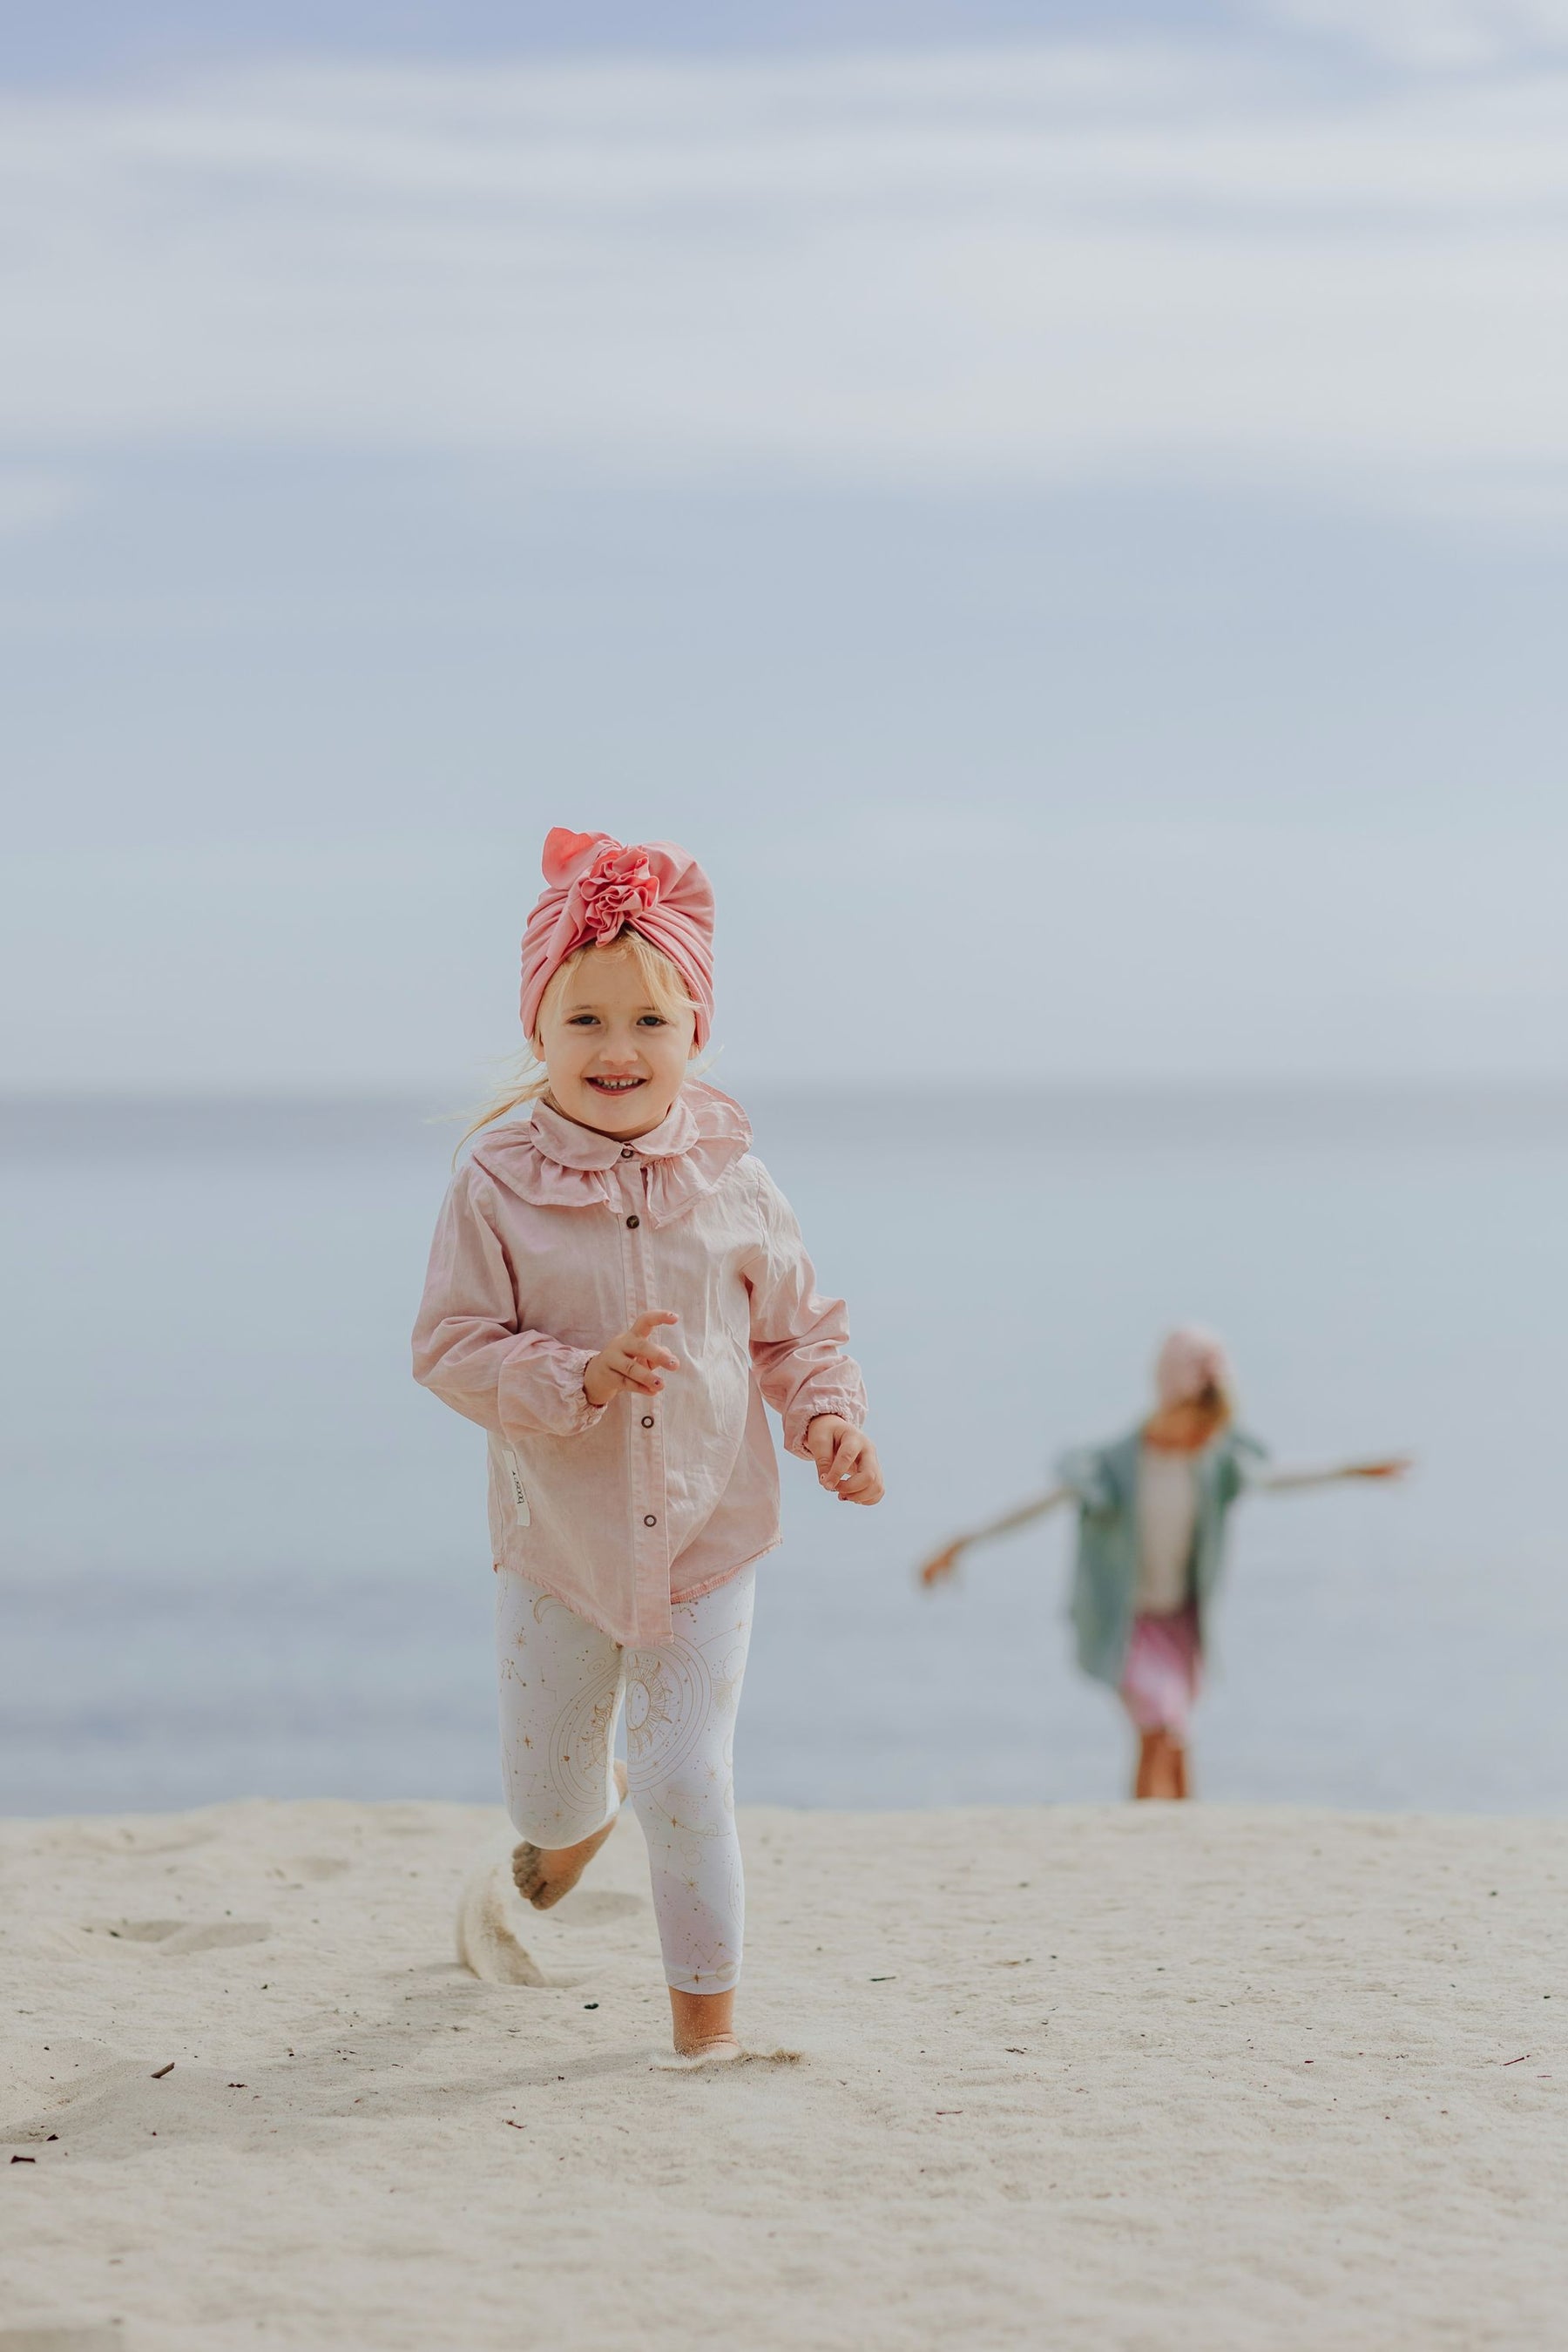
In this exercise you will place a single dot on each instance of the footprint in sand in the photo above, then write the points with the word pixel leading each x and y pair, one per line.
pixel 173 1938
pixel 154 1836
pixel 595 1906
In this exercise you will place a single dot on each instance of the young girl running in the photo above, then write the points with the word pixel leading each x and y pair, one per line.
pixel 615 1291
pixel 1152 1521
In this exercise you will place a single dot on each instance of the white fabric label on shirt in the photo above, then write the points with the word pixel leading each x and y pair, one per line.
pixel 519 1491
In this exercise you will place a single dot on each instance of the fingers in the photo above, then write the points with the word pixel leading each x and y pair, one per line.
pixel 865 1487
pixel 834 1445
pixel 636 1360
pixel 638 1340
pixel 854 1473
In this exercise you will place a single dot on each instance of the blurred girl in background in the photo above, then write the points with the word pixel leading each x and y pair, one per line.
pixel 1153 1508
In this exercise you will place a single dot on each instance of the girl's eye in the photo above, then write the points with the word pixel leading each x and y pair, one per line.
pixel 582 1021
pixel 651 1021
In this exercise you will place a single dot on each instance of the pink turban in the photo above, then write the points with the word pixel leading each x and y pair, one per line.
pixel 1190 1361
pixel 595 886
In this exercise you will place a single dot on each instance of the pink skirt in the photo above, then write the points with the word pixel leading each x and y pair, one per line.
pixel 1160 1680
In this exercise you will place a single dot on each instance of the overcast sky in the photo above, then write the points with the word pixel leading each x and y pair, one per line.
pixel 1065 509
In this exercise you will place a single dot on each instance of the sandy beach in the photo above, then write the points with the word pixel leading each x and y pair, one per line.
pixel 1114 2078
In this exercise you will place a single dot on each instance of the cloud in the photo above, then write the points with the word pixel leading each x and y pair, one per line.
pixel 1142 260
pixel 1434 35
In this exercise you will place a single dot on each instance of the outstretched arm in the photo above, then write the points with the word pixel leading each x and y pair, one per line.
pixel 943 1562
pixel 1283 1482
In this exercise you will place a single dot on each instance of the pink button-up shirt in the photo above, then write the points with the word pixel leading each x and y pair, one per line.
pixel 552 1241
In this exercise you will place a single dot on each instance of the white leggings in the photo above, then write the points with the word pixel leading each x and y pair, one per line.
pixel 561 1686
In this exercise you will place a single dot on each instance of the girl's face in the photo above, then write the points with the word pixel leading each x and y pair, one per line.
pixel 615 1062
pixel 1186 1428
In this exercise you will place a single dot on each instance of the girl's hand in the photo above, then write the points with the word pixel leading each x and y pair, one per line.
pixel 1393 1468
pixel 846 1459
pixel 941 1564
pixel 633 1361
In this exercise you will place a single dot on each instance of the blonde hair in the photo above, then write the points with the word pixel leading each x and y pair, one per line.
pixel 1215 1399
pixel 666 993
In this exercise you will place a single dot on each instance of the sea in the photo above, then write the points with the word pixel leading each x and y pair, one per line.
pixel 243 1555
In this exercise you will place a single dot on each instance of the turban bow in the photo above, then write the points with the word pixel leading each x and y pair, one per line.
pixel 595 887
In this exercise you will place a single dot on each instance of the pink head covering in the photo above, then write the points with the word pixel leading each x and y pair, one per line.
pixel 595 886
pixel 1190 1361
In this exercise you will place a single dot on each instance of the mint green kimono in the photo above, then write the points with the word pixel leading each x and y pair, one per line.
pixel 1104 1479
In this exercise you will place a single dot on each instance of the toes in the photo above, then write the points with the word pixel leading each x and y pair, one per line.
pixel 525 1873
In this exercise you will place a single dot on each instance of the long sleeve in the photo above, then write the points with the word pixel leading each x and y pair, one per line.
pixel 798 1337
pixel 468 1346
pixel 1086 1475
pixel 1245 1467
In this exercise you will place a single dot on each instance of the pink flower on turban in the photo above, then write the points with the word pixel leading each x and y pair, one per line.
pixel 595 887
pixel 1190 1361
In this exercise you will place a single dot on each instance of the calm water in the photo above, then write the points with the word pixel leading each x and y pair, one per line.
pixel 243 1554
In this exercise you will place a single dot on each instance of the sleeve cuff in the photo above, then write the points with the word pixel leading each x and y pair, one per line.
pixel 541 1393
pixel 843 1408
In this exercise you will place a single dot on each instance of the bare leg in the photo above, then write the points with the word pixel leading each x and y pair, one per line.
pixel 1144 1777
pixel 543 1875
pixel 1162 1767
pixel 704 2024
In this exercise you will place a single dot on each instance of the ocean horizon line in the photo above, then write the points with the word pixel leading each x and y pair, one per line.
pixel 1065 1113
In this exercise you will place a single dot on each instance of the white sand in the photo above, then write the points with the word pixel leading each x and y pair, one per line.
pixel 1159 2078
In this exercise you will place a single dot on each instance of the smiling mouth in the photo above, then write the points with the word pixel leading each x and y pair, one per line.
pixel 615 1085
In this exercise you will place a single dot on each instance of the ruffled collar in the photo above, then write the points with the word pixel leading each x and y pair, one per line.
pixel 552 1163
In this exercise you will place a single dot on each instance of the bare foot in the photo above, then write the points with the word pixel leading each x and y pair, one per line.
pixel 721 2051
pixel 703 2027
pixel 543 1875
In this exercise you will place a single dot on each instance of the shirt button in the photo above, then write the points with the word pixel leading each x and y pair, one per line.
pixel 650 1521
pixel 648 1421
pixel 626 1152
pixel 634 1222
